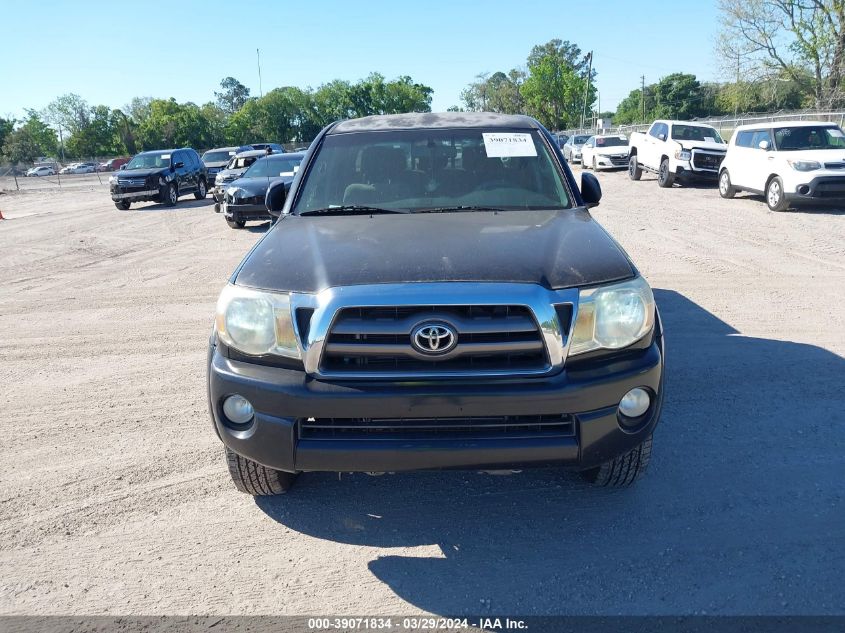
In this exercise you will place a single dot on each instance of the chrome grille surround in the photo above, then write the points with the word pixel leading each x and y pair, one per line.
pixel 327 305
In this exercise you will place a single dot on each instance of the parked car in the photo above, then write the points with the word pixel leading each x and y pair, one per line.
pixel 159 176
pixel 113 164
pixel 234 169
pixel 78 168
pixel 605 151
pixel 216 159
pixel 275 147
pixel 789 163
pixel 243 200
pixel 680 151
pixel 459 314
pixel 561 140
pixel 41 171
pixel 572 147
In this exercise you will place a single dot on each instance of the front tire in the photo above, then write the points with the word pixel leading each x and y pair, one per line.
pixel 235 224
pixel 201 190
pixel 123 205
pixel 775 198
pixel 665 177
pixel 257 480
pixel 726 189
pixel 622 471
pixel 595 164
pixel 634 170
pixel 171 195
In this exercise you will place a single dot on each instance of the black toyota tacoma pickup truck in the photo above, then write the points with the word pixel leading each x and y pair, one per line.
pixel 435 294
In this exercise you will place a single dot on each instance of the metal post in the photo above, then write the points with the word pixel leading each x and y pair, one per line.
pixel 258 56
pixel 587 90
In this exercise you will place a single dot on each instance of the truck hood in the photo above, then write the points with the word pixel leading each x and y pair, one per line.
pixel 142 173
pixel 713 147
pixel 555 249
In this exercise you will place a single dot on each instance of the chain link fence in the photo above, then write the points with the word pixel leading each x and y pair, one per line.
pixel 727 124
pixel 14 178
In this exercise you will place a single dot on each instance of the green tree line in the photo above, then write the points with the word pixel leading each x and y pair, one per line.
pixel 70 128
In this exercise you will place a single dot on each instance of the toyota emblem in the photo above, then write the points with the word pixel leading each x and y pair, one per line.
pixel 433 338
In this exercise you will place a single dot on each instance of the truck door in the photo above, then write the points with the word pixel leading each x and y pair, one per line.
pixel 653 144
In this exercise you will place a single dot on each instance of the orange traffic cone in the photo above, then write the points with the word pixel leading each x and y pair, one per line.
pixel 1 215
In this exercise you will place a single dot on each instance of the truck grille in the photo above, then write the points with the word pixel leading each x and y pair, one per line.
pixel 488 338
pixel 488 427
pixel 701 160
pixel 835 165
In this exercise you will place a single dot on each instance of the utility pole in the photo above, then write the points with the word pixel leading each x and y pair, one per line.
pixel 587 90
pixel 642 97
pixel 258 56
pixel 736 99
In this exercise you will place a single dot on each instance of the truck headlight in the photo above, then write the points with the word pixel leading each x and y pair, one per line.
pixel 112 180
pixel 683 154
pixel 256 322
pixel 612 317
pixel 804 165
pixel 218 179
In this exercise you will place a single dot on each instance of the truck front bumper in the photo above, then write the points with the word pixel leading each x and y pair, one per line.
pixel 285 399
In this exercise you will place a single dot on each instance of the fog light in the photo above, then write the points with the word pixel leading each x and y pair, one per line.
pixel 634 403
pixel 238 409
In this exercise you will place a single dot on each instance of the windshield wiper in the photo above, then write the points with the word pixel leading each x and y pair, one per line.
pixel 460 207
pixel 350 209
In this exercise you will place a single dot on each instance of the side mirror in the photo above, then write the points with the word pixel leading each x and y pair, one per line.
pixel 123 166
pixel 276 196
pixel 661 136
pixel 590 190
pixel 764 145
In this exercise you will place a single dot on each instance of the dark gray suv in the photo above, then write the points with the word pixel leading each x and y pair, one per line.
pixel 159 176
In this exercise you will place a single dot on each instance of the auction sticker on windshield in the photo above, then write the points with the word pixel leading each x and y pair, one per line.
pixel 508 144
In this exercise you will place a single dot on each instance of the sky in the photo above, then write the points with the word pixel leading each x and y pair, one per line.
pixel 110 52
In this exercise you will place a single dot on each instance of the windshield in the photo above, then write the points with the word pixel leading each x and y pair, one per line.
pixel 150 160
pixel 272 167
pixel 611 141
pixel 580 140
pixel 220 156
pixel 696 133
pixel 241 162
pixel 809 137
pixel 414 170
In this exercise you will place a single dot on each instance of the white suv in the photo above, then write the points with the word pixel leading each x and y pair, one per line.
pixel 786 162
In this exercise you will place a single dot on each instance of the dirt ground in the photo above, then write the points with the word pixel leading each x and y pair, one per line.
pixel 114 497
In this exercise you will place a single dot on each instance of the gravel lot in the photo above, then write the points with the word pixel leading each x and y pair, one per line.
pixel 114 498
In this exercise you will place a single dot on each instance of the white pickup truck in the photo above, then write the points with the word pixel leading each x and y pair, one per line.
pixel 676 150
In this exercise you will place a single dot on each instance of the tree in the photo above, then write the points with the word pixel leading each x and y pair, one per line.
pixel 172 124
pixel 69 112
pixel 97 138
pixel 232 96
pixel 32 139
pixel 802 40
pixel 6 127
pixel 496 93
pixel 556 84
pixel 680 96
